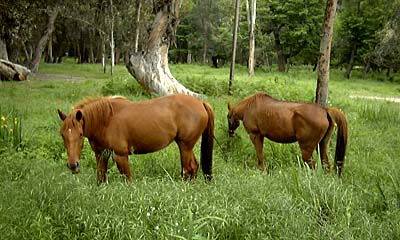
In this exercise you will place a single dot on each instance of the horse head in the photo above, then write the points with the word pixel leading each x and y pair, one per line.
pixel 233 120
pixel 72 133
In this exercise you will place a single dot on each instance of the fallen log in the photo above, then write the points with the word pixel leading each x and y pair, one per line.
pixel 13 72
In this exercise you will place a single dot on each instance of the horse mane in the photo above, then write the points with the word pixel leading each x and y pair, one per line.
pixel 96 111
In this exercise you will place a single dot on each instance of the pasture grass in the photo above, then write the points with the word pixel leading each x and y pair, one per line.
pixel 41 199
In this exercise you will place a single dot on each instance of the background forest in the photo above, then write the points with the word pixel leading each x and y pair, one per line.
pixel 366 32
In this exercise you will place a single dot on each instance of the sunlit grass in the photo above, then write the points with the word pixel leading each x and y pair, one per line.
pixel 41 199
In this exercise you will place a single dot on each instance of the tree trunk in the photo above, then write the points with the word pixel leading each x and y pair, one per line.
pixel 43 40
pixel 279 52
pixel 206 30
pixel 49 58
pixel 112 44
pixel 3 50
pixel 13 72
pixel 351 61
pixel 235 30
pixel 251 19
pixel 366 68
pixel 138 7
pixel 103 56
pixel 150 68
pixel 325 53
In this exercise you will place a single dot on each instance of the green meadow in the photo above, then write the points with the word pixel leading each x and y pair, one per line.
pixel 41 199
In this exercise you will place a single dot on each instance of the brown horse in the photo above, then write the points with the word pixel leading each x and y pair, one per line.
pixel 114 124
pixel 287 122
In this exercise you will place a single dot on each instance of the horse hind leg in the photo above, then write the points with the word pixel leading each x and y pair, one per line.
pixel 323 147
pixel 123 166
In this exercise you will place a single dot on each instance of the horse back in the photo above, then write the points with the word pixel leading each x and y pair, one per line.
pixel 281 121
pixel 151 125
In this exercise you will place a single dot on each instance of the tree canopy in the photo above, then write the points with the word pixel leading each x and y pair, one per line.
pixel 287 32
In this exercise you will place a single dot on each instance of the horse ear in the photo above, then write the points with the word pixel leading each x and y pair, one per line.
pixel 229 106
pixel 61 114
pixel 79 115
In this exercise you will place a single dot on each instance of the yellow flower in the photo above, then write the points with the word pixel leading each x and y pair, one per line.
pixel 3 118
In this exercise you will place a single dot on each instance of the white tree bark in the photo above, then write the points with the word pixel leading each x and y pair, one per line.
pixel 150 68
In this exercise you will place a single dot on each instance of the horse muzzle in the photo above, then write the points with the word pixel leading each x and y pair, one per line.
pixel 74 167
pixel 231 133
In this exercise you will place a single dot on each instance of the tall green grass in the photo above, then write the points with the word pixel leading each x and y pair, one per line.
pixel 41 199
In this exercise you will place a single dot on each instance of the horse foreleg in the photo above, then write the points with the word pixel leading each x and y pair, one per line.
pixel 102 162
pixel 189 164
pixel 323 146
pixel 123 166
pixel 258 141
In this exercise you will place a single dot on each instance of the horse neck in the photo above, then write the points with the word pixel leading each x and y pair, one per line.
pixel 240 109
pixel 96 118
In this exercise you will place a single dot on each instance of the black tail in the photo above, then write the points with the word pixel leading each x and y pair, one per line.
pixel 207 143
pixel 340 120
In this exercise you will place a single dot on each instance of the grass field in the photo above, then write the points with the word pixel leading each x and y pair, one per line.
pixel 41 199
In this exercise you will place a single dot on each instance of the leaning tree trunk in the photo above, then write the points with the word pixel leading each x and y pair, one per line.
pixel 150 68
pixel 325 53
pixel 43 41
pixel 3 50
pixel 13 72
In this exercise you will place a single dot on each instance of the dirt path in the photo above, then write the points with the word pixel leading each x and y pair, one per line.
pixel 390 99
pixel 54 77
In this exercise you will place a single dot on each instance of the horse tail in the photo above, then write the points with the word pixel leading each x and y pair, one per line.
pixel 207 143
pixel 339 119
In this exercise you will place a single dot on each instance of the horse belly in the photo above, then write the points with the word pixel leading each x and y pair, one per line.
pixel 150 145
pixel 279 131
pixel 282 137
pixel 150 136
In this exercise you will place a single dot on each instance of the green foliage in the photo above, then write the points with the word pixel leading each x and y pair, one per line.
pixel 359 22
pixel 41 199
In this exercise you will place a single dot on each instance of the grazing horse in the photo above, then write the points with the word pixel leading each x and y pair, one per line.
pixel 122 127
pixel 286 122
